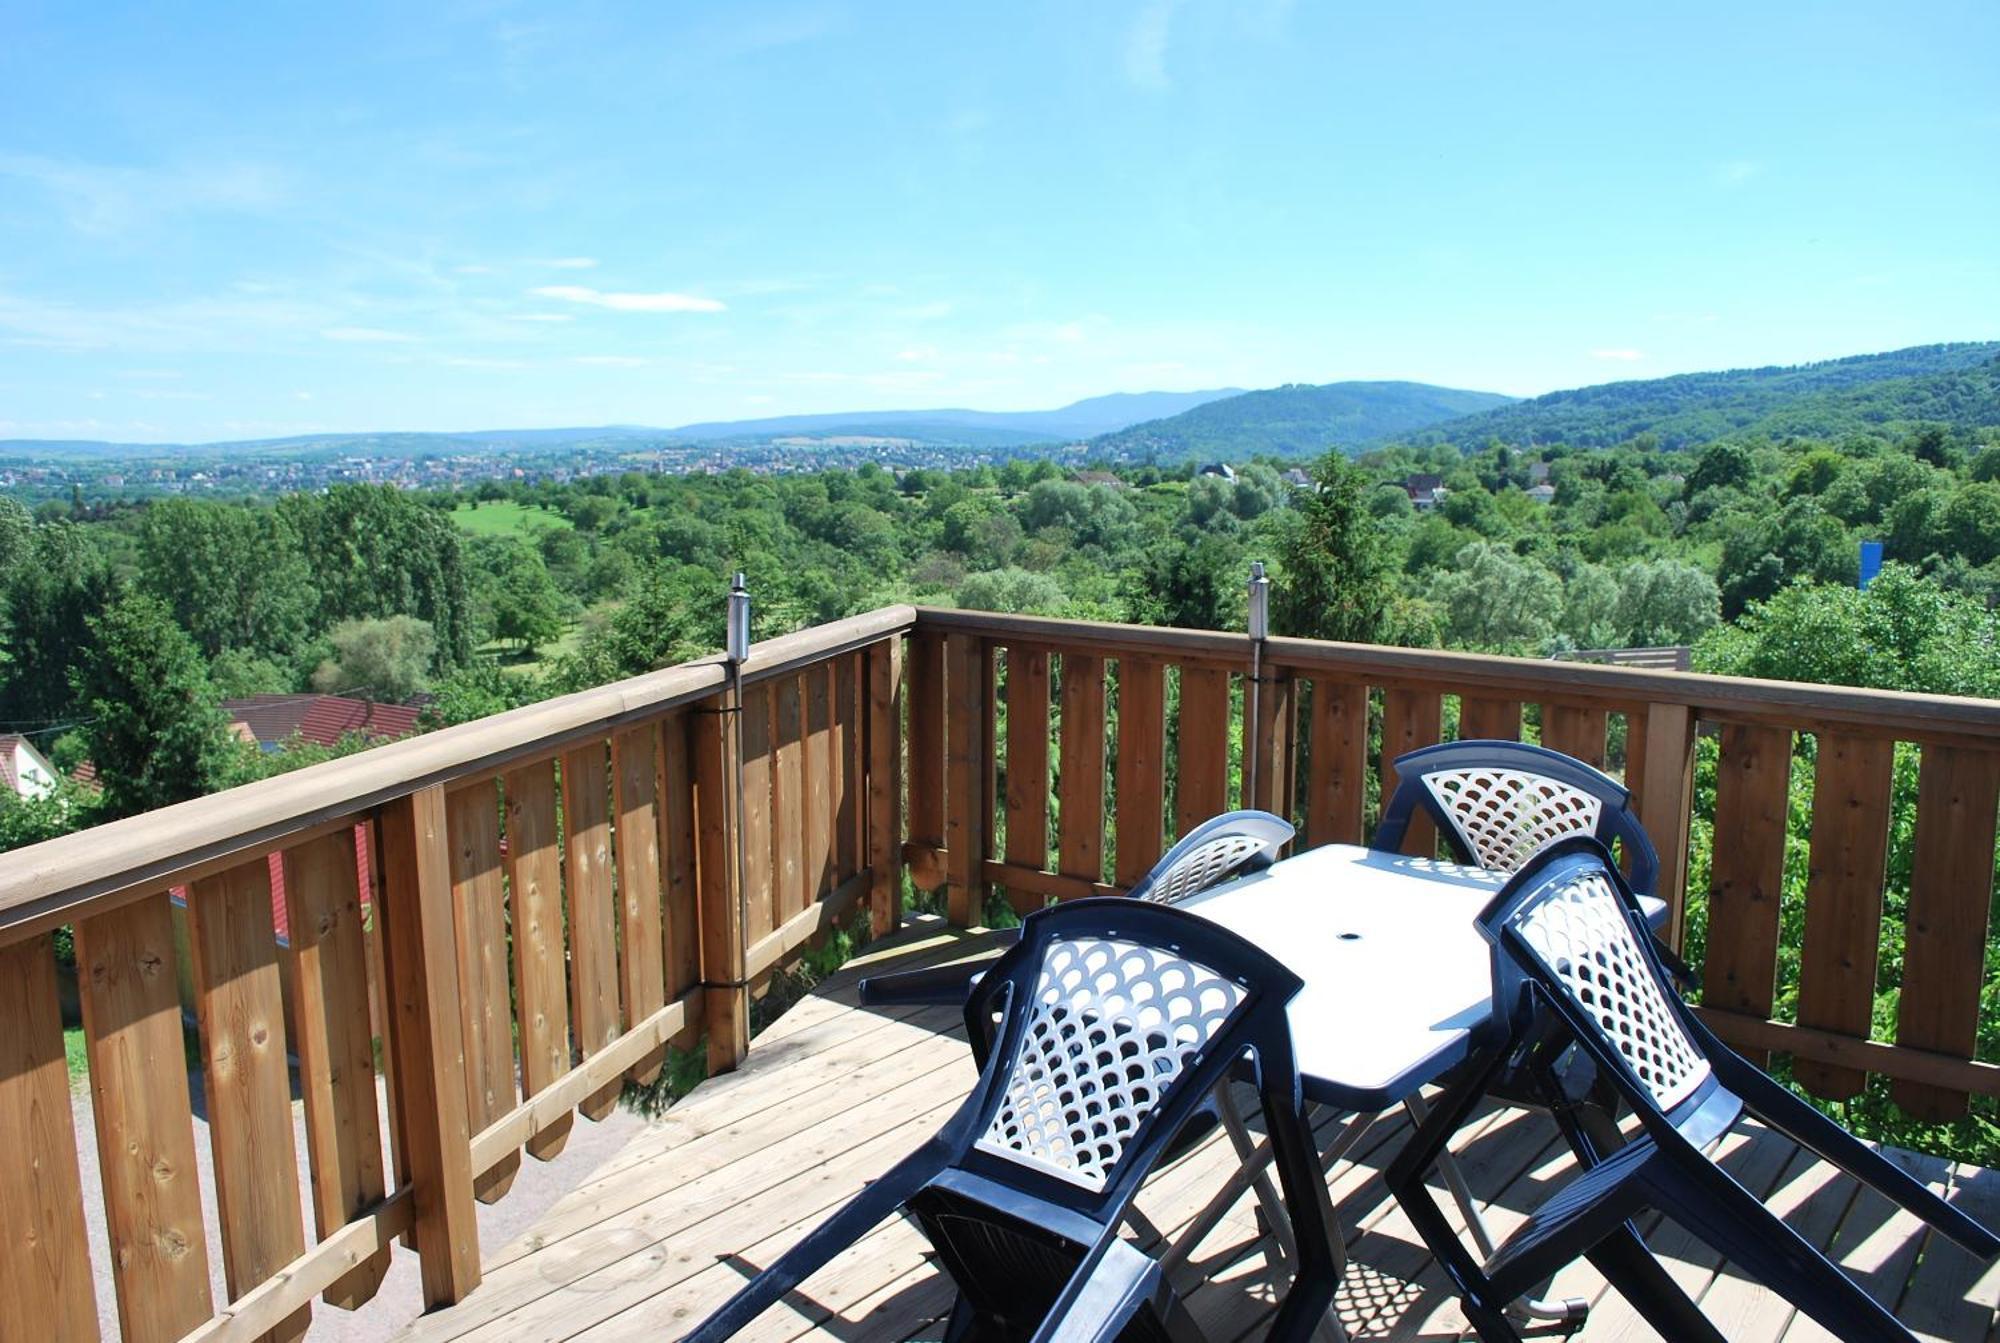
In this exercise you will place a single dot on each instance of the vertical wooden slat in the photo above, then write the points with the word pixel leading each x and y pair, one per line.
pixel 820 769
pixel 1201 789
pixel 754 739
pixel 422 963
pixel 924 687
pixel 1575 730
pixel 1662 779
pixel 1951 892
pixel 968 806
pixel 635 762
pixel 847 767
pixel 1482 719
pixel 1141 769
pixel 593 912
pixel 336 1052
pixel 1027 766
pixel 1751 778
pixel 715 736
pixel 46 1288
pixel 1410 719
pixel 884 728
pixel 788 800
pixel 1080 841
pixel 1337 763
pixel 1850 849
pixel 240 1003
pixel 1268 786
pixel 478 897
pixel 534 876
pixel 680 922
pixel 145 1124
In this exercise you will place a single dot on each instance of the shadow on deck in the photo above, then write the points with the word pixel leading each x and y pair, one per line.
pixel 833 1094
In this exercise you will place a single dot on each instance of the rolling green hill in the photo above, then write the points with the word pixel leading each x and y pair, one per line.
pixel 1827 399
pixel 1298 419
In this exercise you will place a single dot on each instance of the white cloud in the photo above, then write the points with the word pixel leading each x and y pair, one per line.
pixel 367 335
pixel 541 317
pixel 1620 356
pixel 302 396
pixel 1737 171
pixel 471 361
pixel 663 302
pixel 1146 45
pixel 610 360
pixel 102 198
pixel 572 263
pixel 472 270
pixel 918 354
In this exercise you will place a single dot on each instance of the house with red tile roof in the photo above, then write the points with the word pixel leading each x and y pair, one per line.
pixel 24 771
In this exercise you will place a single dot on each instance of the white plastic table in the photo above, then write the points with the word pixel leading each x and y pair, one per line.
pixel 1397 978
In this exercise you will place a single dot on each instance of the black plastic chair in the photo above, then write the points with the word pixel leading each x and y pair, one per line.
pixel 1231 845
pixel 1119 1017
pixel 1573 961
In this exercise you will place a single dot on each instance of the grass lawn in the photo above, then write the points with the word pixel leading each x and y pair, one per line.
pixel 513 664
pixel 507 518
pixel 73 1056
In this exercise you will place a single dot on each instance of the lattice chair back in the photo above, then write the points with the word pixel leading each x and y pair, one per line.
pixel 1570 925
pixel 1115 1023
pixel 1499 802
pixel 1231 845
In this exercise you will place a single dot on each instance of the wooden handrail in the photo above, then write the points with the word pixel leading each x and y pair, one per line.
pixel 59 880
pixel 1905 716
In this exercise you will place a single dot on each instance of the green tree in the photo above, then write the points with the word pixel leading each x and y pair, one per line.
pixel 1495 601
pixel 386 660
pixel 51 596
pixel 1666 602
pixel 1590 608
pixel 1015 590
pixel 1335 566
pixel 155 733
pixel 233 576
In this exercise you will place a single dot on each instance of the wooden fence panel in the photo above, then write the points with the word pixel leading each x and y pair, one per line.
pixel 1201 788
pixel 884 731
pixel 1410 719
pixel 1575 730
pixel 1337 763
pixel 635 762
pixel 821 767
pixel 1141 769
pixel 716 741
pixel 1850 849
pixel 1659 769
pixel 1951 892
pixel 1080 824
pixel 478 898
pixel 334 1043
pixel 1482 719
pixel 680 918
pixel 846 769
pixel 788 801
pixel 1267 742
pixel 145 1124
pixel 46 1289
pixel 241 1005
pixel 969 811
pixel 757 819
pixel 1027 767
pixel 593 912
pixel 924 688
pixel 1751 779
pixel 541 980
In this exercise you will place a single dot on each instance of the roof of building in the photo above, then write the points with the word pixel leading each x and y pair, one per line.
pixel 8 742
pixel 321 719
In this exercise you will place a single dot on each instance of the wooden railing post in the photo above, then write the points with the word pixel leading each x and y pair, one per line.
pixel 420 957
pixel 885 786
pixel 725 991
pixel 967 805
pixel 1666 803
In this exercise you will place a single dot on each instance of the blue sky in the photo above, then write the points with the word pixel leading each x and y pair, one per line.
pixel 250 220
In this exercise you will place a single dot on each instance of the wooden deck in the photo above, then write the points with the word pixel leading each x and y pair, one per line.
pixel 832 1094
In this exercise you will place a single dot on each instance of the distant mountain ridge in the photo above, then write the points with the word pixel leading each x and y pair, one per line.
pixel 1298 419
pixel 1825 399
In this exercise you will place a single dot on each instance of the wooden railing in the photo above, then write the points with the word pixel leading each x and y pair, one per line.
pixel 1001 707
pixel 556 900
pixel 563 891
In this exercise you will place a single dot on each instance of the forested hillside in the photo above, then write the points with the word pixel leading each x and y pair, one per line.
pixel 1296 420
pixel 1870 392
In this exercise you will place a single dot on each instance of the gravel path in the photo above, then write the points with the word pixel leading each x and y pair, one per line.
pixel 536 1188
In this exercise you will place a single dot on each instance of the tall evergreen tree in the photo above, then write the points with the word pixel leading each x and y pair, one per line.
pixel 154 729
pixel 1335 562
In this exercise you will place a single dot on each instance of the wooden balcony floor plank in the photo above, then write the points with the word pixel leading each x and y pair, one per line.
pixel 832 1094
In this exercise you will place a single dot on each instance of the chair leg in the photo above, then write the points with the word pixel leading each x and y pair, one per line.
pixel 1812 1130
pixel 1704 1200
pixel 1271 1213
pixel 1627 1265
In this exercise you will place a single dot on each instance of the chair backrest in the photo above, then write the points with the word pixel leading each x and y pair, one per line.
pixel 1498 802
pixel 1230 845
pixel 1120 1017
pixel 1568 924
